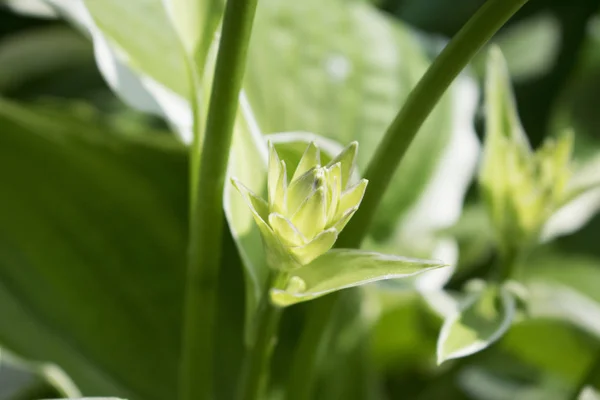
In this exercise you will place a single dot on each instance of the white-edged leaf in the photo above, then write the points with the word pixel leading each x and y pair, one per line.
pixel 583 204
pixel 343 268
pixel 557 301
pixel 142 30
pixel 565 288
pixel 483 318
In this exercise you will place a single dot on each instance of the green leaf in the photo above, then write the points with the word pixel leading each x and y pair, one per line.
pixel 564 287
pixel 565 354
pixel 196 22
pixel 42 55
pixel 582 203
pixel 342 268
pixel 349 87
pixel 92 246
pixel 142 29
pixel 483 318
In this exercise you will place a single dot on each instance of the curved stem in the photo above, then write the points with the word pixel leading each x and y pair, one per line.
pixel 206 210
pixel 256 370
pixel 419 104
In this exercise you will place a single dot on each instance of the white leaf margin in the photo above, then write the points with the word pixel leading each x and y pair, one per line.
pixel 134 87
pixel 508 303
pixel 556 301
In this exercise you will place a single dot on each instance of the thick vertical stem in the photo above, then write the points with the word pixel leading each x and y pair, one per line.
pixel 206 210
pixel 390 151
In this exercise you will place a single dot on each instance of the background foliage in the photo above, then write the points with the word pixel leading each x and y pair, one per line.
pixel 93 200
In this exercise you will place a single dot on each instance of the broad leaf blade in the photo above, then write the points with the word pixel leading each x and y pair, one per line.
pixel 484 318
pixel 349 87
pixel 92 239
pixel 343 268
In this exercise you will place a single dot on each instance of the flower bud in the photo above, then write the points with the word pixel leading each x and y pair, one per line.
pixel 302 219
pixel 522 188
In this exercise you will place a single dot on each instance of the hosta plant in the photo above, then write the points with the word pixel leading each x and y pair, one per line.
pixel 152 266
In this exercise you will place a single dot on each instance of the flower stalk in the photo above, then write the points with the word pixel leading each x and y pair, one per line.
pixel 299 222
pixel 256 369
pixel 206 208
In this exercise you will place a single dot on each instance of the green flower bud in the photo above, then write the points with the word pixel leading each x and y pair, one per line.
pixel 302 219
pixel 522 188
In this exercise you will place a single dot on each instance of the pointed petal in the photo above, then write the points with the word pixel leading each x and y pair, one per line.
pixel 318 246
pixel 259 207
pixel 280 192
pixel 302 187
pixel 347 159
pixel 341 223
pixel 311 216
pixel 334 183
pixel 310 159
pixel 278 256
pixel 274 172
pixel 286 230
pixel 352 197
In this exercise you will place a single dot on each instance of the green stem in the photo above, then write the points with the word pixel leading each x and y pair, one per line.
pixel 507 264
pixel 390 151
pixel 306 356
pixel 206 216
pixel 592 374
pixel 256 369
pixel 419 104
